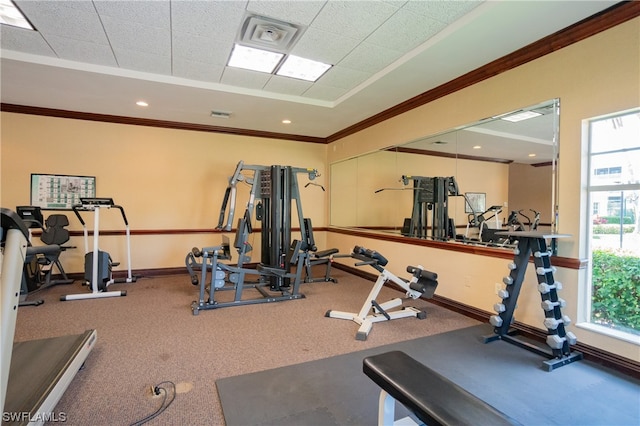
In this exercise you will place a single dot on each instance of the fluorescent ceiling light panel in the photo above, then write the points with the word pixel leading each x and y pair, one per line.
pixel 303 69
pixel 11 15
pixel 519 116
pixel 254 59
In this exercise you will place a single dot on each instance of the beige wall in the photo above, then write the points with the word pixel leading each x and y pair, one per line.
pixel 593 77
pixel 164 179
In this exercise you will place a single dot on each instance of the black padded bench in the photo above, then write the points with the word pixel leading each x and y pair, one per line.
pixel 431 397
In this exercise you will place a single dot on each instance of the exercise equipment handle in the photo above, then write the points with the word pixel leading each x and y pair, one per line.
pixel 75 210
pixel 372 254
pixel 124 217
pixel 422 273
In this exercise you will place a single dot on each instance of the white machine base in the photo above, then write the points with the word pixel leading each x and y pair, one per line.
pixel 92 295
pixel 366 323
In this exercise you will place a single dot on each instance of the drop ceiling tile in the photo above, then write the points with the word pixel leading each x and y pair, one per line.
pixel 244 78
pixel 443 11
pixel 405 31
pixel 143 38
pixel 22 40
pixel 143 61
pixel 324 93
pixel 295 12
pixel 354 19
pixel 65 19
pixel 369 58
pixel 81 51
pixel 344 78
pixel 323 46
pixel 82 6
pixel 201 49
pixel 219 20
pixel 194 70
pixel 156 13
pixel 287 86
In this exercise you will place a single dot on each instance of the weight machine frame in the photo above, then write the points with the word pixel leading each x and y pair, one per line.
pixel 277 189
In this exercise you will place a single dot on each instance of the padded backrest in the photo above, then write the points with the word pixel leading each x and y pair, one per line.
pixel 31 215
pixel 54 232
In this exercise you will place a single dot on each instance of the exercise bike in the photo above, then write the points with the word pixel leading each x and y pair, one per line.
pixel 97 263
pixel 423 283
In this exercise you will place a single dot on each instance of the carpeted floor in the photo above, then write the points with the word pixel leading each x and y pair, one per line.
pixel 151 336
pixel 334 391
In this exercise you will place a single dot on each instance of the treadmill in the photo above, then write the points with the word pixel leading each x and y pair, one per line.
pixel 34 374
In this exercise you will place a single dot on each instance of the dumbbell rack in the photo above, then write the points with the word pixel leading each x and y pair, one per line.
pixel 558 338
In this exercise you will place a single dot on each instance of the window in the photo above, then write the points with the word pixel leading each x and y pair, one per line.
pixel 614 225
pixel 608 171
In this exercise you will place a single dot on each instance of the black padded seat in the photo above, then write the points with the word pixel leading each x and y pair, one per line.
pixel 433 398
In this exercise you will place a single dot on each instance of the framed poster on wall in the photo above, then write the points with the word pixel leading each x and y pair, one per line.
pixel 475 202
pixel 60 192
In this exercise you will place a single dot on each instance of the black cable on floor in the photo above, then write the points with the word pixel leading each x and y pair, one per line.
pixel 157 389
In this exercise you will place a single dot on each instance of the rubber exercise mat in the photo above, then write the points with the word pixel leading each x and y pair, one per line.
pixel 334 391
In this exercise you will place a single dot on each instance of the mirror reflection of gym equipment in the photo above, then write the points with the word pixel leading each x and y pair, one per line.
pixel 98 264
pixel 451 153
pixel 283 260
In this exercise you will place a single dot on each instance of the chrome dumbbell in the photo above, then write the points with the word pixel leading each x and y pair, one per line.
pixel 499 307
pixel 548 305
pixel 542 271
pixel 553 323
pixel 495 321
pixel 540 254
pixel 503 294
pixel 556 342
pixel 545 288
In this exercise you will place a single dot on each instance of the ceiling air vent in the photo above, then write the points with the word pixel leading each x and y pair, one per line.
pixel 261 32
pixel 220 114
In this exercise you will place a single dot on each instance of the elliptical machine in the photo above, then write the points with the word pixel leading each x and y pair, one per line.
pixel 97 263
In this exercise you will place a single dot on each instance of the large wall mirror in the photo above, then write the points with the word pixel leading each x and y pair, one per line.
pixel 464 185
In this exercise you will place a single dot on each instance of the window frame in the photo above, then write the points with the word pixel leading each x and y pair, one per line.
pixel 585 305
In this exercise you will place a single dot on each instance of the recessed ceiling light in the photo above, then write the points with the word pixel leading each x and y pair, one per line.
pixel 519 116
pixel 303 69
pixel 532 155
pixel 477 147
pixel 11 15
pixel 254 59
pixel 142 104
pixel 286 121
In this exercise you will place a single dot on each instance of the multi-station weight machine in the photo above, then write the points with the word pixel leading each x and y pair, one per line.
pixel 273 195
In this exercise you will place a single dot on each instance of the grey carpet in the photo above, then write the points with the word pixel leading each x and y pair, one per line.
pixel 334 391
